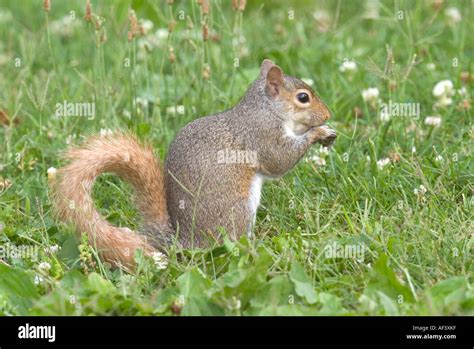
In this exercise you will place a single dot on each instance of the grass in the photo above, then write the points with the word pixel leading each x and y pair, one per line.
pixel 417 248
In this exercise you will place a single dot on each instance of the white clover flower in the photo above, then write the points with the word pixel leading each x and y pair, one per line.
pixel 105 132
pixel 319 161
pixel 150 41
pixel 309 82
pixel 51 173
pixel 348 66
pixel 382 163
pixel 52 249
pixel 44 267
pixel 443 91
pixel 453 15
pixel 321 14
pixel 413 150
pixel 431 66
pixel 323 19
pixel 175 109
pixel 444 88
pixel 434 121
pixel 420 191
pixel 162 33
pixel 439 158
pixel 64 26
pixel 160 259
pixel 147 26
pixel 370 95
pixel 444 102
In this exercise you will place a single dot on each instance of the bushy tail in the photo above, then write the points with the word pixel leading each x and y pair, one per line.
pixel 72 193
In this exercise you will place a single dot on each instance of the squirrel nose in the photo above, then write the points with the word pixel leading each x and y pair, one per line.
pixel 326 115
pixel 323 115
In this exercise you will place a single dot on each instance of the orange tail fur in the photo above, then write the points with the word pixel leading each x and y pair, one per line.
pixel 120 154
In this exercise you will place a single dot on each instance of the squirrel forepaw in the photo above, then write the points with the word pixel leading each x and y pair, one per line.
pixel 324 135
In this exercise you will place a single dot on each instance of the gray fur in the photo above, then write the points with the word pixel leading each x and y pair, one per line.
pixel 203 194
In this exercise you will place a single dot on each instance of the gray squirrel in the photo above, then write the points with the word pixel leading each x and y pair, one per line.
pixel 212 176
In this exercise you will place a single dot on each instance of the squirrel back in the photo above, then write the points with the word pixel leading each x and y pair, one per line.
pixel 213 173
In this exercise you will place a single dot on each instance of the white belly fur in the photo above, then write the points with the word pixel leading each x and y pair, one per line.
pixel 254 197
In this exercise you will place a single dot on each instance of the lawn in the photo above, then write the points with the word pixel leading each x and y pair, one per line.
pixel 381 224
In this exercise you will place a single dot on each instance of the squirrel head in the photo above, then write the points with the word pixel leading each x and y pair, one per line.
pixel 294 101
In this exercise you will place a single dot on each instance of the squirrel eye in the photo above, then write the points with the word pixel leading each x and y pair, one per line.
pixel 302 97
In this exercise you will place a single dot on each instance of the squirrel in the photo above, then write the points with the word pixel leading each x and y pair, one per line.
pixel 212 176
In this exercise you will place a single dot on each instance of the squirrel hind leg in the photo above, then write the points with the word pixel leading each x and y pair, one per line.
pixel 158 235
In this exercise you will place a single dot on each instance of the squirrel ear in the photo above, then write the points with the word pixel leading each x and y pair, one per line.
pixel 274 81
pixel 265 67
